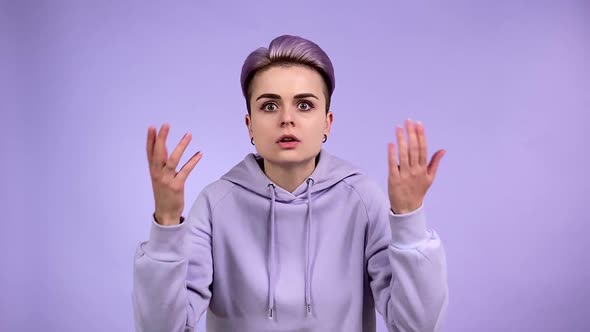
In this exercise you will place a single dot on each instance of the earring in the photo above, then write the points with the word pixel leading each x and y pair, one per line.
pixel 325 138
pixel 252 141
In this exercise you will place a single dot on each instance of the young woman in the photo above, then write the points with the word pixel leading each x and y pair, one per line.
pixel 291 238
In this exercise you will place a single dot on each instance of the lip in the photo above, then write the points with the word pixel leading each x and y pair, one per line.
pixel 289 136
pixel 288 145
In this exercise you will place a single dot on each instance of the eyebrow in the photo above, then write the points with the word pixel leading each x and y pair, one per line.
pixel 297 96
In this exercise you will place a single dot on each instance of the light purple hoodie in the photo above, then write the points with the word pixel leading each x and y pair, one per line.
pixel 259 258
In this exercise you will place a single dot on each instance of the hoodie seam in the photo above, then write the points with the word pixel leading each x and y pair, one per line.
pixel 360 199
pixel 222 198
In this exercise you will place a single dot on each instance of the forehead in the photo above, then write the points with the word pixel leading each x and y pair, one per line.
pixel 292 79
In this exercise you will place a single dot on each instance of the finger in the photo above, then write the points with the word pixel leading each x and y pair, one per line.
pixel 172 162
pixel 433 166
pixel 422 143
pixel 188 166
pixel 160 154
pixel 151 137
pixel 414 149
pixel 393 165
pixel 402 149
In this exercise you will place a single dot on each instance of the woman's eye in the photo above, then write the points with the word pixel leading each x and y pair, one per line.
pixel 269 107
pixel 304 106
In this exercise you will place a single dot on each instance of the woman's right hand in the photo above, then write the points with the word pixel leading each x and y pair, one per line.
pixel 167 184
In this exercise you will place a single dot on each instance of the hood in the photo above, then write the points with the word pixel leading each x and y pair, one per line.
pixel 328 172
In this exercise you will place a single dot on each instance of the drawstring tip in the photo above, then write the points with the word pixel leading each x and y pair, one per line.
pixel 269 313
pixel 309 309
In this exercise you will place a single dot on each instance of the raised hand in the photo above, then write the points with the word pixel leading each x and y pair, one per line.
pixel 410 178
pixel 167 184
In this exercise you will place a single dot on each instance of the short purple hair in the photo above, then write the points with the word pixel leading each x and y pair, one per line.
pixel 284 51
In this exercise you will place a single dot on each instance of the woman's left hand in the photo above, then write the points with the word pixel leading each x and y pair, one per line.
pixel 409 180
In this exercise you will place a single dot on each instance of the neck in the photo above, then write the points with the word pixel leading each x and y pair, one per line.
pixel 291 176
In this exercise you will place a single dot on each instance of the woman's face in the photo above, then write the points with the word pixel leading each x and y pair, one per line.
pixel 288 101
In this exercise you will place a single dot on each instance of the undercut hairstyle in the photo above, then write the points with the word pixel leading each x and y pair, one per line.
pixel 288 50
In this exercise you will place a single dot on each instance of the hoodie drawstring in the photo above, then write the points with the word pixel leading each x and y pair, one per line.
pixel 308 244
pixel 272 257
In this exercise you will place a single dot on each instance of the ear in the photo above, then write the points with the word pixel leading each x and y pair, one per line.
pixel 248 122
pixel 329 120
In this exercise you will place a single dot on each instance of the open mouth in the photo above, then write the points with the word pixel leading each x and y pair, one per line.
pixel 288 142
pixel 287 139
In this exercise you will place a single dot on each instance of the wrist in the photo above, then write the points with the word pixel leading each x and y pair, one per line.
pixel 404 209
pixel 167 220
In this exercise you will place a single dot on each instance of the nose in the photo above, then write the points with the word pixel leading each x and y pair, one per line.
pixel 286 117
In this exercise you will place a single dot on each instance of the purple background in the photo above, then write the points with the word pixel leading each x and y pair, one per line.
pixel 504 86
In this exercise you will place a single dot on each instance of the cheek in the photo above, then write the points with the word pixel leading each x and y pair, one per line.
pixel 316 129
pixel 260 127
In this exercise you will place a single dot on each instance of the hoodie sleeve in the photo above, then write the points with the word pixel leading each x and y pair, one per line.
pixel 170 288
pixel 406 263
